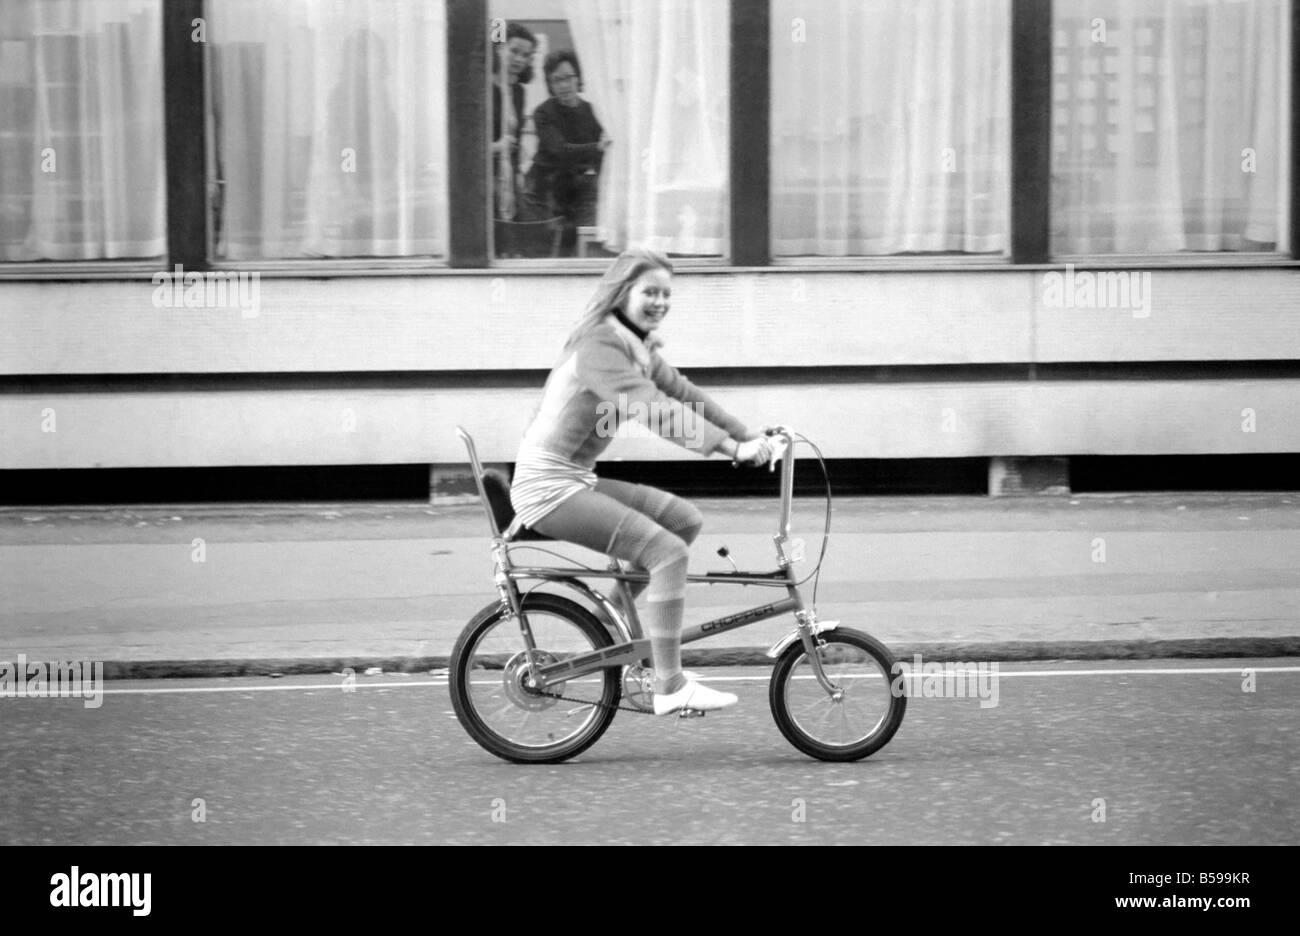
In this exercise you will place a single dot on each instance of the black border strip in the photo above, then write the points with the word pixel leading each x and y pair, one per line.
pixel 705 376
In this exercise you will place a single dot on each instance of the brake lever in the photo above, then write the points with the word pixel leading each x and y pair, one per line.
pixel 778 450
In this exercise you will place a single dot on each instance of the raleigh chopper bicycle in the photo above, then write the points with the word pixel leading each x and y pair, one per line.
pixel 537 677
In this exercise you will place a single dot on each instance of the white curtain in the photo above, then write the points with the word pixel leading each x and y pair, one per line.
pixel 330 126
pixel 1168 122
pixel 890 126
pixel 657 75
pixel 81 130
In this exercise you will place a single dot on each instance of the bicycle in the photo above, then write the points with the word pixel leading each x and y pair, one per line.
pixel 537 677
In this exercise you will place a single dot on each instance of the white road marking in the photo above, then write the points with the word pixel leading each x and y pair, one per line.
pixel 336 687
pixel 1221 671
pixel 1004 674
pixel 442 683
pixel 967 668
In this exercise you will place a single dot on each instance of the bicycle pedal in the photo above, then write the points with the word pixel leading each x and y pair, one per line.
pixel 690 713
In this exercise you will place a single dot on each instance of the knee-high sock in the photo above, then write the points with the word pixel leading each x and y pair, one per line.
pixel 687 534
pixel 665 648
pixel 665 602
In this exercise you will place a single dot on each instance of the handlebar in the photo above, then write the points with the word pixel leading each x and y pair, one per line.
pixel 787 440
pixel 782 450
pixel 788 437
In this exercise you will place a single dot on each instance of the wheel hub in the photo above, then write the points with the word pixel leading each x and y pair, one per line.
pixel 517 684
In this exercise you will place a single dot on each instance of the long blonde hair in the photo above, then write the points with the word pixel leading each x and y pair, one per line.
pixel 614 286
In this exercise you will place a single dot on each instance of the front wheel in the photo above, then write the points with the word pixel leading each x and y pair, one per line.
pixel 494 701
pixel 860 713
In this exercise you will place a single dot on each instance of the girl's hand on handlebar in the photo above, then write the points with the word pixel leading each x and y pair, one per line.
pixel 754 451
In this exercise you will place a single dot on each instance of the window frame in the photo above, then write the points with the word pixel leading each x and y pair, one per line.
pixel 188 130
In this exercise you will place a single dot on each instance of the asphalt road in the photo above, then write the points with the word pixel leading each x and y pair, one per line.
pixel 1171 752
pixel 370 583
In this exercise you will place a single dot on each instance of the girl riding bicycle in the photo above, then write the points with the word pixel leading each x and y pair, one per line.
pixel 610 367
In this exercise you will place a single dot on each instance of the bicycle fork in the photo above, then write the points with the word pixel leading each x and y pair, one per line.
pixel 806 631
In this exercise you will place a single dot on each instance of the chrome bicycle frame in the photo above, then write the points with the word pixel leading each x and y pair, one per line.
pixel 634 647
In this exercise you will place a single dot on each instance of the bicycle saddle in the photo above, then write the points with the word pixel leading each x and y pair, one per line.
pixel 497 489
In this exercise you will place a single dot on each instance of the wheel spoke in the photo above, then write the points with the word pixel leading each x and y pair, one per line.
pixel 828 718
pixel 816 706
pixel 506 710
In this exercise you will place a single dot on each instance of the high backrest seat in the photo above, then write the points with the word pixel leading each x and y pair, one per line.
pixel 497 490
pixel 494 492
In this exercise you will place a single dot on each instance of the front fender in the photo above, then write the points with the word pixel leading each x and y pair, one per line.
pixel 780 646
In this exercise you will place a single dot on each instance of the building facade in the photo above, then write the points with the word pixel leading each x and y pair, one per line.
pixel 240 234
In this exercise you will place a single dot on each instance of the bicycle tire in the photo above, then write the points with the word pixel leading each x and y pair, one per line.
pixel 498 712
pixel 860 665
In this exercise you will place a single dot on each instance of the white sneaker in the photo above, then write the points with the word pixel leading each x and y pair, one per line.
pixel 696 696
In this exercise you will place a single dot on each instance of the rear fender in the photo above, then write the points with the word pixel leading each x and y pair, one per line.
pixel 605 608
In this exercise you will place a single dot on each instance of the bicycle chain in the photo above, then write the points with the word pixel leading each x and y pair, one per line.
pixel 604 705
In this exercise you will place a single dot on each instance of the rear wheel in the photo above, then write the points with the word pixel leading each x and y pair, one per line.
pixel 490 689
pixel 861 712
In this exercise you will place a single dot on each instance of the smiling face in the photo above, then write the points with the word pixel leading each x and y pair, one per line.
pixel 648 300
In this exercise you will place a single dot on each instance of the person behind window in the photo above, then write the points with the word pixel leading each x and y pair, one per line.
pixel 570 146
pixel 512 68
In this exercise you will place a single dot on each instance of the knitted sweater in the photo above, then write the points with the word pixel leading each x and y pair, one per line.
pixel 568 138
pixel 610 376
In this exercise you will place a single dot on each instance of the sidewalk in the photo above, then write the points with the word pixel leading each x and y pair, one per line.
pixel 225 590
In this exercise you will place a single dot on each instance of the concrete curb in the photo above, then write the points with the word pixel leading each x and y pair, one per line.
pixel 938 652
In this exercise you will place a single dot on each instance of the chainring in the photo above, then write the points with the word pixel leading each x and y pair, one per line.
pixel 639 687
